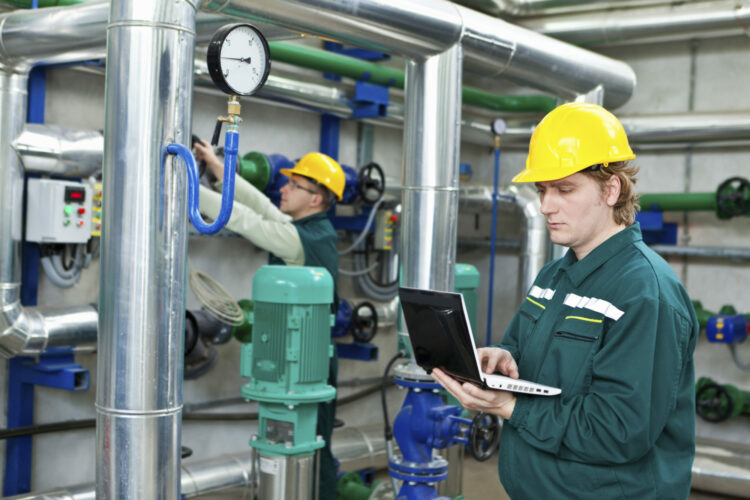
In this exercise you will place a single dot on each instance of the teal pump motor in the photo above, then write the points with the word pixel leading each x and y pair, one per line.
pixel 287 361
pixel 466 282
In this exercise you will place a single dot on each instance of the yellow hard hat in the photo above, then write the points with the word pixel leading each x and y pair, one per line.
pixel 321 168
pixel 573 137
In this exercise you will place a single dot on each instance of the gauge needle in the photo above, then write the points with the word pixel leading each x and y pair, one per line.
pixel 241 59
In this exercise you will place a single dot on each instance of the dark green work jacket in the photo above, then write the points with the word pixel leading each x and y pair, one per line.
pixel 319 244
pixel 616 331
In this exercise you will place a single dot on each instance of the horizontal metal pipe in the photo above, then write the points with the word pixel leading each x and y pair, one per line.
pixel 724 253
pixel 722 467
pixel 419 29
pixel 355 448
pixel 60 151
pixel 551 7
pixel 673 22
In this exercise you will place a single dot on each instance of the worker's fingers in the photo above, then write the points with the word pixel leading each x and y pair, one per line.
pixel 495 359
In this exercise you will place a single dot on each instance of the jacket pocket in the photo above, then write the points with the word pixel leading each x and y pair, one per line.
pixel 530 312
pixel 569 357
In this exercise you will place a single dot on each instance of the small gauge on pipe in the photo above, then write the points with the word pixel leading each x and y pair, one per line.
pixel 499 126
pixel 238 59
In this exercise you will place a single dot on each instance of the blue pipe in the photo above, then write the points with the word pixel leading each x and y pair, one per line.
pixel 231 140
pixel 492 246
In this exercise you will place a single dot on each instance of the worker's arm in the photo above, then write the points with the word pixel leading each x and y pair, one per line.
pixel 255 200
pixel 635 377
pixel 278 237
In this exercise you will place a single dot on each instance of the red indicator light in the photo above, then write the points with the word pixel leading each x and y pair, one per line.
pixel 81 211
pixel 80 223
pixel 76 196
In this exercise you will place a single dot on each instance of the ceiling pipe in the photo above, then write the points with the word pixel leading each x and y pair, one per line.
pixel 148 104
pixel 668 23
pixel 515 8
pixel 418 30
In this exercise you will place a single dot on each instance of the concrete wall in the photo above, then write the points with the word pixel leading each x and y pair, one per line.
pixel 722 74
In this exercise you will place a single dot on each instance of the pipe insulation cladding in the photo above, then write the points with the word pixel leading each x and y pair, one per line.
pixel 418 29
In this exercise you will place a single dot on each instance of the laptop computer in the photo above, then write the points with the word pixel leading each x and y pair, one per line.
pixel 441 337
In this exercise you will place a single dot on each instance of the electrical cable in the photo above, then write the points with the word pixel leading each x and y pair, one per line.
pixel 373 290
pixel 366 230
pixel 388 430
pixel 71 425
pixel 346 272
pixel 216 298
pixel 736 357
pixel 60 274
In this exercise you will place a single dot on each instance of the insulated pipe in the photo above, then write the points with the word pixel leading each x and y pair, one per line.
pixel 548 7
pixel 430 171
pixel 355 448
pixel 673 22
pixel 60 151
pixel 418 29
pixel 150 51
pixel 535 242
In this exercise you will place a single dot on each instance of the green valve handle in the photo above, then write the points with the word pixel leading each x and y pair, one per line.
pixel 717 403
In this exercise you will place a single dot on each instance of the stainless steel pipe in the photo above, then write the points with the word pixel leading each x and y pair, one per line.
pixel 418 29
pixel 430 171
pixel 60 151
pixel 667 23
pixel 144 249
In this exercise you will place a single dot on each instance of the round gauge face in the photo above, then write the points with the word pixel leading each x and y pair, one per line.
pixel 499 126
pixel 238 59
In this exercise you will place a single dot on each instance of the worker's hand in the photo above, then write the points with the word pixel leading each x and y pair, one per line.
pixel 205 152
pixel 471 397
pixel 495 359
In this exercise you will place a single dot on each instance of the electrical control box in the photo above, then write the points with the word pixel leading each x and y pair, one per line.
pixel 385 220
pixel 58 211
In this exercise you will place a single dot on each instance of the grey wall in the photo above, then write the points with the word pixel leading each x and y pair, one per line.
pixel 722 75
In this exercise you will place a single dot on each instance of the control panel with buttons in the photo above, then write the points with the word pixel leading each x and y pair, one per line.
pixel 58 211
pixel 385 220
pixel 96 215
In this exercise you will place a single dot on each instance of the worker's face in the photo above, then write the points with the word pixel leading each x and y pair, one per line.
pixel 579 213
pixel 299 195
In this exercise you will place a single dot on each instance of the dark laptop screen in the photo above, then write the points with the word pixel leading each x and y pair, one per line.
pixel 438 331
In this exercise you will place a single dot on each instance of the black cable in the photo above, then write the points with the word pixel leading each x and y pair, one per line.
pixel 71 425
pixel 388 431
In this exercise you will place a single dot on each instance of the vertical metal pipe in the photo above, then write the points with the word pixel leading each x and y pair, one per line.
pixel 149 92
pixel 430 170
pixel 13 95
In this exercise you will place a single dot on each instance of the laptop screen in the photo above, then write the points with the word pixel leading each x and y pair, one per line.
pixel 439 332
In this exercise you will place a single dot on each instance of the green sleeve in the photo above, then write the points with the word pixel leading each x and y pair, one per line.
pixel 634 381
pixel 510 339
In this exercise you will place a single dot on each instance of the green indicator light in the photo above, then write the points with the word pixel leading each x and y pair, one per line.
pixel 68 210
pixel 66 222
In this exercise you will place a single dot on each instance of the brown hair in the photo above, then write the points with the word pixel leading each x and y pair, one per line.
pixel 627 204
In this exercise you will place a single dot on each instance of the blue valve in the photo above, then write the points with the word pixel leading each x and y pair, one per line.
pixel 231 140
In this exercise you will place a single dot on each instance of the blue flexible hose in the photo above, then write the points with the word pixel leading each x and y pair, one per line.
pixel 231 140
pixel 493 240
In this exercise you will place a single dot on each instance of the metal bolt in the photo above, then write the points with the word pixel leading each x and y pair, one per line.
pixel 319 437
pixel 288 444
pixel 417 390
pixel 254 437
pixel 291 407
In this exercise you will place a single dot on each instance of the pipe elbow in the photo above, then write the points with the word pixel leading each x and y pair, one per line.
pixel 22 330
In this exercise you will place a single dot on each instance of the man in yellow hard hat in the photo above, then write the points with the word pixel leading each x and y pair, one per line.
pixel 298 233
pixel 609 323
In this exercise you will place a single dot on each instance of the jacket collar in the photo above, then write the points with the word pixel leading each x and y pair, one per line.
pixel 579 270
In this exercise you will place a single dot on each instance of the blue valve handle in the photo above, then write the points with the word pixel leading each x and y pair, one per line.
pixel 231 140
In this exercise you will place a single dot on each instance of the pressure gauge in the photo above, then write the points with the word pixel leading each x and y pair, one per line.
pixel 499 126
pixel 238 59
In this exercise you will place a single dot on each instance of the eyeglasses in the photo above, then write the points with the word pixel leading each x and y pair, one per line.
pixel 294 185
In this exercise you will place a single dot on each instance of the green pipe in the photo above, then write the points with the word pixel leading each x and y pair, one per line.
pixel 678 202
pixel 350 67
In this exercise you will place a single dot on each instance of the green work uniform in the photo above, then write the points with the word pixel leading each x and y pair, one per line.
pixel 319 243
pixel 616 332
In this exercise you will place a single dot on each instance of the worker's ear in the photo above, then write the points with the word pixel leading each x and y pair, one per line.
pixel 612 191
pixel 316 201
